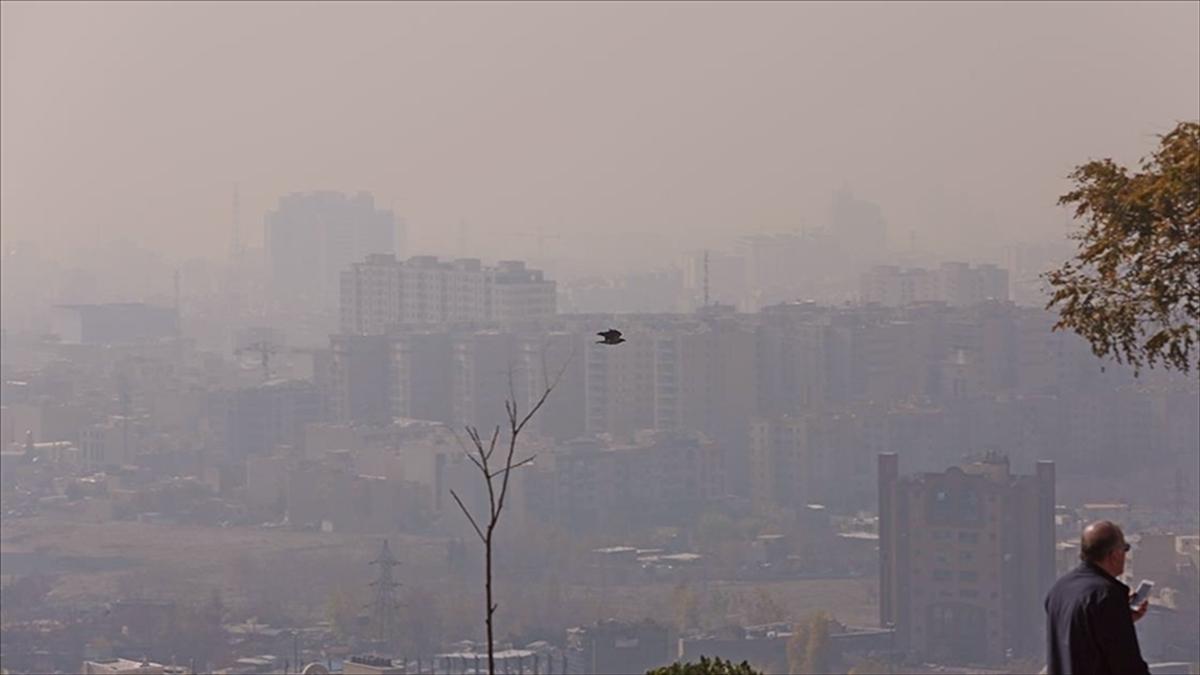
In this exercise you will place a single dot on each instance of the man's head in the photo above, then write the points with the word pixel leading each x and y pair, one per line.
pixel 1103 544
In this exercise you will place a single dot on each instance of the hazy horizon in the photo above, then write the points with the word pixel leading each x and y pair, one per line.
pixel 860 441
pixel 690 121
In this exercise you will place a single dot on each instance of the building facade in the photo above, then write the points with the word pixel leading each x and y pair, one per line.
pixel 957 284
pixel 965 559
pixel 312 236
pixel 382 292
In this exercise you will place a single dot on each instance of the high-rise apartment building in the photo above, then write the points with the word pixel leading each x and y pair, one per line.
pixel 312 236
pixel 382 292
pixel 485 373
pixel 371 296
pixel 516 293
pixel 620 384
pixel 114 323
pixel 793 368
pixel 704 378
pixel 657 477
pixel 254 420
pixel 556 356
pixel 954 283
pixel 360 375
pixel 815 458
pixel 965 559
pixel 420 375
pixel 858 227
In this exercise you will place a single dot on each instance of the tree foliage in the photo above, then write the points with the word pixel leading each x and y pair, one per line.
pixel 1133 288
pixel 808 649
pixel 685 607
pixel 816 656
pixel 341 610
pixel 706 666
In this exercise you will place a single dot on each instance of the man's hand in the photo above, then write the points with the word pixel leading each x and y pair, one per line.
pixel 1141 609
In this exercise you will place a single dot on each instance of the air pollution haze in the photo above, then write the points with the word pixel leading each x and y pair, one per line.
pixel 580 337
pixel 685 121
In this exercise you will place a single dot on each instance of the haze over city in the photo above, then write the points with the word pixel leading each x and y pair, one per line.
pixel 381 338
pixel 682 121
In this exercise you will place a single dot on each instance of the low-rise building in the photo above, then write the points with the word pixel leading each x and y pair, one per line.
pixel 119 666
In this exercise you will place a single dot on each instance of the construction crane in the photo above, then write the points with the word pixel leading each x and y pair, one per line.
pixel 265 350
pixel 541 238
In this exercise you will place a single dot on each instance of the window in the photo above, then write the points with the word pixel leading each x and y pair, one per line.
pixel 942 575
pixel 968 576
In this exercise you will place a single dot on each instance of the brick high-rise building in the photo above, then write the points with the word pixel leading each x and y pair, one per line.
pixel 965 559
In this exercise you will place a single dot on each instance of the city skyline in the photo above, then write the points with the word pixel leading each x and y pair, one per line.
pixel 375 338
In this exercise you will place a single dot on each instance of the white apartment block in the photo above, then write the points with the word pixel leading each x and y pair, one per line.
pixel 383 291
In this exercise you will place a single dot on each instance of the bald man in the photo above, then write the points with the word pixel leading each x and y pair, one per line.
pixel 1089 623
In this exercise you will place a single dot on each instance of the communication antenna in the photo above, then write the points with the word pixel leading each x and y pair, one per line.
pixel 706 277
pixel 384 607
pixel 235 238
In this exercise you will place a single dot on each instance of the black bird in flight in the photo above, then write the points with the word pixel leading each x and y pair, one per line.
pixel 611 336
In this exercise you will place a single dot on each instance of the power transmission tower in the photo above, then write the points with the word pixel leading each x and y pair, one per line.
pixel 385 608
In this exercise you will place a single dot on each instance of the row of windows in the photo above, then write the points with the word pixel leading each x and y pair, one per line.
pixel 964 536
pixel 947 575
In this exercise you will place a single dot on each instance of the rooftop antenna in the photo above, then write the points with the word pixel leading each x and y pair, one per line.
pixel 706 277
pixel 235 238
pixel 178 308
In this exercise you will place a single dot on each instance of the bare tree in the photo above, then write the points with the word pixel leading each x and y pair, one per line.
pixel 481 455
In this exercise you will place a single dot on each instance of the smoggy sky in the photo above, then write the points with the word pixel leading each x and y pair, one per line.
pixel 691 120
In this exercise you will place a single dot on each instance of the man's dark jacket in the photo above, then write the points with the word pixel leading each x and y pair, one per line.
pixel 1089 626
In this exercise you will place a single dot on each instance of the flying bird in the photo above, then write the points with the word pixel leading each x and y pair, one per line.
pixel 611 336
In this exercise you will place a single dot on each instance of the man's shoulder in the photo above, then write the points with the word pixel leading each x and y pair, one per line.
pixel 1083 583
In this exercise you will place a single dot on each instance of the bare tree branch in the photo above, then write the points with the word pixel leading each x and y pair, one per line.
pixel 481 458
pixel 492 446
pixel 469 516
pixel 519 464
pixel 477 464
pixel 512 393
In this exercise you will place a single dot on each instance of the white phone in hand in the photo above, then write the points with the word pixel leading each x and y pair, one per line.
pixel 1141 594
